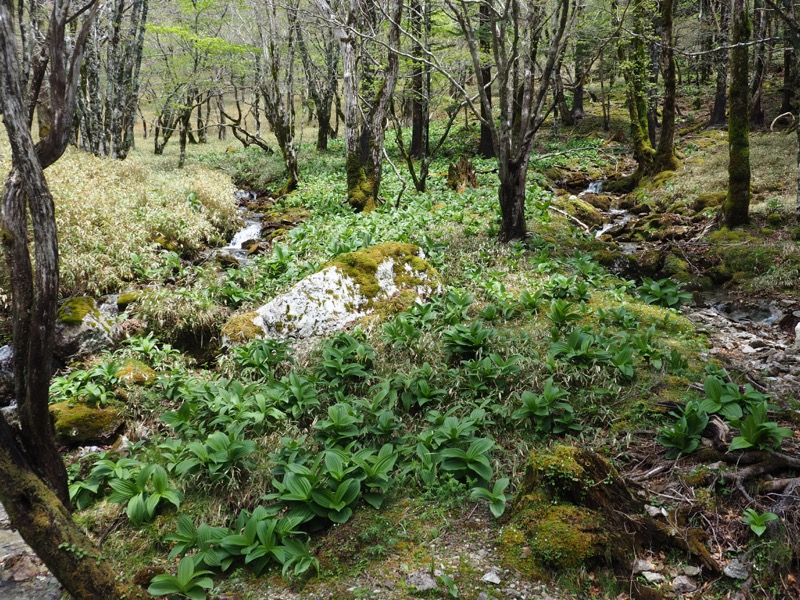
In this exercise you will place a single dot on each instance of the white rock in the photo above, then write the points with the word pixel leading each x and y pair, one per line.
pixel 736 569
pixel 491 577
pixel 691 571
pixel 640 565
pixel 652 577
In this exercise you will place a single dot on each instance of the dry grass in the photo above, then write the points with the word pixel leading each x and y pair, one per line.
pixel 110 212
pixel 705 170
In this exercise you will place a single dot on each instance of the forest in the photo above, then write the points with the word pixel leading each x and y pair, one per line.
pixel 400 299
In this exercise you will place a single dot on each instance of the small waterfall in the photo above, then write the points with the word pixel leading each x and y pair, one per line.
pixel 251 231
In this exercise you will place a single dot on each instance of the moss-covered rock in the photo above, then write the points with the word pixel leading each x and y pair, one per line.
pixel 124 300
pixel 581 210
pixel 82 330
pixel 75 310
pixel 378 281
pixel 136 372
pixel 709 200
pixel 76 423
pixel 240 329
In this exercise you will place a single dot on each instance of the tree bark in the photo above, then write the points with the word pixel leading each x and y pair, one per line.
pixel 420 80
pixel 486 147
pixel 718 111
pixel 511 194
pixel 737 204
pixel 665 158
pixel 756 109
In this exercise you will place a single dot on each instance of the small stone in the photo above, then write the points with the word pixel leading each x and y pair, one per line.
pixel 483 596
pixel 691 571
pixel 746 349
pixel 641 565
pixel 654 511
pixel 652 577
pixel 421 581
pixel 682 584
pixel 736 569
pixel 491 577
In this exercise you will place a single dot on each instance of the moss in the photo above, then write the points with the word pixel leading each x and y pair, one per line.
pixel 78 423
pixel 362 267
pixel 708 200
pixel 563 536
pixel 660 178
pixel 728 236
pixel 136 372
pixel 241 329
pixel 674 264
pixel 123 300
pixel 583 211
pixel 776 219
pixel 361 185
pixel 555 470
pixel 753 259
pixel 74 310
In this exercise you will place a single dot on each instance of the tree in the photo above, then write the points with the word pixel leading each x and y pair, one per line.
pixel 737 203
pixel 519 31
pixel 358 26
pixel 276 81
pixel 665 158
pixel 721 20
pixel 34 490
pixel 110 86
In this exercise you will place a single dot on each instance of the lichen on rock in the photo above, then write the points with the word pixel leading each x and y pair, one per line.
pixel 135 372
pixel 380 280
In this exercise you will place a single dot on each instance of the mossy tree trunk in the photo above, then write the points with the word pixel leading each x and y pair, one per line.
pixel 665 158
pixel 737 204
pixel 634 61
pixel 486 147
pixel 364 135
pixel 419 14
pixel 34 480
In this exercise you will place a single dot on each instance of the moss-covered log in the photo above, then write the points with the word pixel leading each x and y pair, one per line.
pixel 737 204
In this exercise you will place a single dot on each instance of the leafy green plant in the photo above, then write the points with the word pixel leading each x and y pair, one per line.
pixel 259 358
pixel 204 540
pixel 758 521
pixel 466 341
pixel 188 581
pixel 563 312
pixel 725 398
pixel 579 347
pixel 144 493
pixel 683 436
pixel 401 332
pixel 474 461
pixel 220 457
pixel 663 292
pixel 496 497
pixel 341 425
pixel 758 433
pixel 548 411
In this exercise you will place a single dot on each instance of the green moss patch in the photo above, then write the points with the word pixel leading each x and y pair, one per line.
pixel 123 300
pixel 74 310
pixel 362 267
pixel 76 423
pixel 241 329
pixel 136 372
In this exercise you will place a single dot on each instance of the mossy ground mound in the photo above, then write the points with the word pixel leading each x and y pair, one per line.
pixel 241 329
pixel 75 310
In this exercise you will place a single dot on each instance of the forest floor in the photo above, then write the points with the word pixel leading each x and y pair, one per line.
pixel 591 315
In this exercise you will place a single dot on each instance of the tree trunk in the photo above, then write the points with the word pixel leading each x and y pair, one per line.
pixel 578 111
pixel 718 111
pixel 513 177
pixel 665 158
pixel 564 113
pixel 34 489
pixel 486 147
pixel 420 81
pixel 756 109
pixel 737 203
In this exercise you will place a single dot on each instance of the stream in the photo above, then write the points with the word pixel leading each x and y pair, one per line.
pixel 756 336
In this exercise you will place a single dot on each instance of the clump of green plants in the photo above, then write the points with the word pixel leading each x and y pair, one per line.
pixel 663 292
